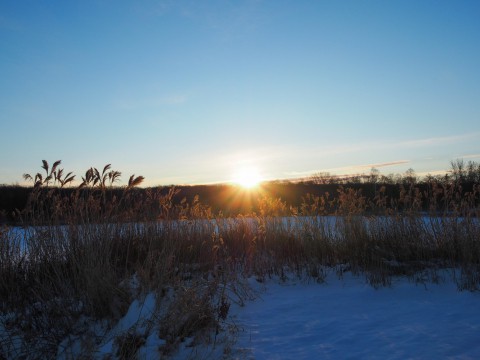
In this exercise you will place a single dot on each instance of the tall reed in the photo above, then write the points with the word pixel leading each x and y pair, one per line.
pixel 79 251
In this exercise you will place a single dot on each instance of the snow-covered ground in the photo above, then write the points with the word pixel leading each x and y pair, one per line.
pixel 348 319
pixel 296 319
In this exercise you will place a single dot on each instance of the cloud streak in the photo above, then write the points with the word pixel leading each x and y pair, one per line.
pixel 383 164
pixel 318 153
pixel 435 141
pixel 347 170
pixel 288 161
pixel 470 156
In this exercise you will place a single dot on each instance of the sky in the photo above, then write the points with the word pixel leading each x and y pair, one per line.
pixel 189 92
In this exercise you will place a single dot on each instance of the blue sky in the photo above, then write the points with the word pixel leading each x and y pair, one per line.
pixel 190 91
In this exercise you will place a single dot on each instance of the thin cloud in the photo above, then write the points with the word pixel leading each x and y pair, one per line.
pixel 352 169
pixel 284 152
pixel 471 156
pixel 359 147
pixel 435 141
pixel 274 158
pixel 425 142
pixel 384 164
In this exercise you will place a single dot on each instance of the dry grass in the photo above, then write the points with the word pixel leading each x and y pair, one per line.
pixel 78 252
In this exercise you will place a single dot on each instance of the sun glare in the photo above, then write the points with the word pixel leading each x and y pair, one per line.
pixel 247 177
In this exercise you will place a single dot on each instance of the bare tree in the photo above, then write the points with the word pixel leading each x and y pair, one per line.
pixel 458 170
pixel 410 177
pixel 323 178
pixel 374 175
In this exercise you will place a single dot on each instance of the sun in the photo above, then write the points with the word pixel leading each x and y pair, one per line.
pixel 247 177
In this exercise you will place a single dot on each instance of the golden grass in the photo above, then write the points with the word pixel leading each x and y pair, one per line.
pixel 79 251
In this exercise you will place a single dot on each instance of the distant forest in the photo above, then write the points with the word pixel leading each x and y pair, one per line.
pixel 232 200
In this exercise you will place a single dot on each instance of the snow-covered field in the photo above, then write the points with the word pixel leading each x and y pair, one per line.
pixel 339 319
pixel 348 319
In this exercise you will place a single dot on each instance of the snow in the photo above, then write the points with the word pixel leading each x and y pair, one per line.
pixel 346 318
pixel 137 320
pixel 341 318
